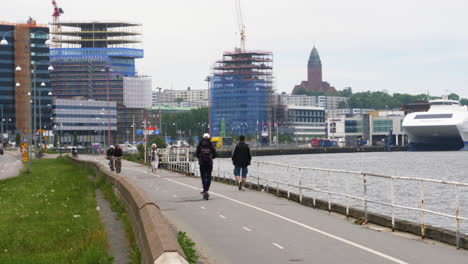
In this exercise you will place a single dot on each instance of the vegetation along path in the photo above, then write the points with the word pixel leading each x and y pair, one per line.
pixel 50 216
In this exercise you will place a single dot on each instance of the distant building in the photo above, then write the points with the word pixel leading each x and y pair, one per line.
pixel 331 102
pixel 314 76
pixel 89 120
pixel 327 102
pixel 95 60
pixel 304 122
pixel 23 48
pixel 183 98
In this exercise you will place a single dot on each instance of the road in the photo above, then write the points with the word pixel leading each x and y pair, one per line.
pixel 254 227
pixel 10 165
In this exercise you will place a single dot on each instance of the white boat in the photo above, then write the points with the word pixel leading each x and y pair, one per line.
pixel 443 126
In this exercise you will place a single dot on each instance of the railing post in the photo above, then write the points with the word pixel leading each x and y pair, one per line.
pixel 328 191
pixel 457 215
pixel 300 185
pixel 314 193
pixel 392 197
pixel 219 170
pixel 258 177
pixel 347 193
pixel 364 180
pixel 289 176
pixel 422 209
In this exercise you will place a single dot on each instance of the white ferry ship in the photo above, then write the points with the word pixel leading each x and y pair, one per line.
pixel 444 126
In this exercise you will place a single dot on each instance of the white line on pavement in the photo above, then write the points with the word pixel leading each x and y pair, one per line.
pixel 246 229
pixel 203 207
pixel 375 252
pixel 222 216
pixel 175 195
pixel 278 246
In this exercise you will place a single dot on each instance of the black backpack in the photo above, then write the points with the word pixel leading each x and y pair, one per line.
pixel 206 155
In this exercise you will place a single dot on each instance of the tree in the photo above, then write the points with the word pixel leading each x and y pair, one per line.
pixel 342 105
pixel 464 101
pixel 300 91
pixel 347 92
pixel 453 96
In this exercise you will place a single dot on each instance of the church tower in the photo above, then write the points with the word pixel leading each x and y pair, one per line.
pixel 314 69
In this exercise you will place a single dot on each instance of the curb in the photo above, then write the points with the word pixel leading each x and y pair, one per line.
pixel 153 233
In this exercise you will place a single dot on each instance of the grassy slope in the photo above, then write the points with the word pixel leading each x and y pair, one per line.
pixel 49 216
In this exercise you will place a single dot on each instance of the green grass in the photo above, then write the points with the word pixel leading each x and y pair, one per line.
pixel 106 188
pixel 187 246
pixel 49 216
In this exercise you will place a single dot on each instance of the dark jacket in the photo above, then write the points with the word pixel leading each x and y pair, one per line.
pixel 110 152
pixel 241 155
pixel 118 153
pixel 205 143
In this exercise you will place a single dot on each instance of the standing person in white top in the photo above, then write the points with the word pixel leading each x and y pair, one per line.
pixel 154 158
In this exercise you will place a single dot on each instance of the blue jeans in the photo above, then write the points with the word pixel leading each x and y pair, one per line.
pixel 237 171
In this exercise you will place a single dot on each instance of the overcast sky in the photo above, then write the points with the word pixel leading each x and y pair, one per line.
pixel 412 46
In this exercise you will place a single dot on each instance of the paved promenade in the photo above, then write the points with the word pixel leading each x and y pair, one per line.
pixel 10 165
pixel 254 227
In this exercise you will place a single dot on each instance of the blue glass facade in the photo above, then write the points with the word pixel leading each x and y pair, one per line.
pixel 241 103
pixel 38 59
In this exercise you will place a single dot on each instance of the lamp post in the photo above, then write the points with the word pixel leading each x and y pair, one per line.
pixel 2 124
pixel 108 70
pixel 208 80
pixel 159 103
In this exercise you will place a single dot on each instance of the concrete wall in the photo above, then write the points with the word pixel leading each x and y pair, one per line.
pixel 155 239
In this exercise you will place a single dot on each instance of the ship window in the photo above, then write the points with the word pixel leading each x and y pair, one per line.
pixel 433 116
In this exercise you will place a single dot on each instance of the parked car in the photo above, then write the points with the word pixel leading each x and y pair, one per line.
pixel 129 148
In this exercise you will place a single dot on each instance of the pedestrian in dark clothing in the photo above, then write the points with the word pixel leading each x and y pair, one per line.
pixel 110 157
pixel 241 157
pixel 205 154
pixel 118 159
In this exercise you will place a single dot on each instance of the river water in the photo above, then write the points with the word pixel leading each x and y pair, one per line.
pixel 450 166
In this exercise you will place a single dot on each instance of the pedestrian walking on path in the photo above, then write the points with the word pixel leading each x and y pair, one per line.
pixel 154 158
pixel 205 154
pixel 110 157
pixel 241 157
pixel 118 153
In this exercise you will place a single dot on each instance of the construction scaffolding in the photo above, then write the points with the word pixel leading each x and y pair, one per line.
pixel 92 62
pixel 241 92
pixel 76 34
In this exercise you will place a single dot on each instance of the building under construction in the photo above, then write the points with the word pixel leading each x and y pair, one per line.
pixel 91 61
pixel 241 94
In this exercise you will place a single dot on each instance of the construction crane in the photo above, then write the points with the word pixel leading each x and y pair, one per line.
pixel 241 25
pixel 56 24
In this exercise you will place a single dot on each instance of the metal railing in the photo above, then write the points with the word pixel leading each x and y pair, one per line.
pixel 177 159
pixel 364 177
pixel 183 160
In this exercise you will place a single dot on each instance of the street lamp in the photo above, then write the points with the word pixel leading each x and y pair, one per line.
pixel 107 70
pixel 159 103
pixel 34 98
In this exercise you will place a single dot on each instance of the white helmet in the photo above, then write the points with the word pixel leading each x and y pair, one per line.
pixel 206 136
pixel 111 146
